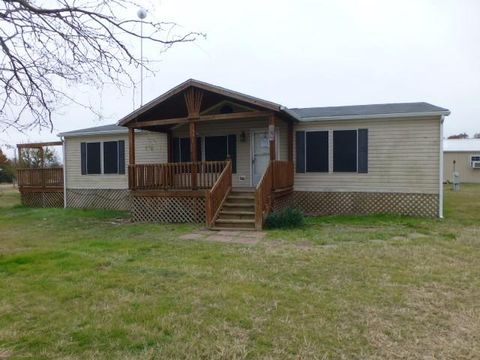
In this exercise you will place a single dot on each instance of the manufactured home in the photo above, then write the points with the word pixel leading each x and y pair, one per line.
pixel 202 153
pixel 462 156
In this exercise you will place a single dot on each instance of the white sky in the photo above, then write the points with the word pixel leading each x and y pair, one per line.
pixel 311 53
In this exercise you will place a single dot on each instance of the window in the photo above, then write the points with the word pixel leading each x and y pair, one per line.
pixel 350 151
pixel 345 151
pixel 112 161
pixel 216 148
pixel 316 151
pixel 181 149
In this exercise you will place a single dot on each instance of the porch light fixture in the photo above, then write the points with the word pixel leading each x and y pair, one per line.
pixel 243 136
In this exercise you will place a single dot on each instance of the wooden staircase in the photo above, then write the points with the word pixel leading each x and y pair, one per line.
pixel 237 212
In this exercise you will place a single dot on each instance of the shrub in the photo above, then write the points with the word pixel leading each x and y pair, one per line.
pixel 285 219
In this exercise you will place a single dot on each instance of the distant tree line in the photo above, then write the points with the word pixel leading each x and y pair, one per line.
pixel 464 136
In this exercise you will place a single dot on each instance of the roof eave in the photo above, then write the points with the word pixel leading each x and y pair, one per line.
pixel 376 116
pixel 91 133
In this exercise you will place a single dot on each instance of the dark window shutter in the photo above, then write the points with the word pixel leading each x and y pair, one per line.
pixel 300 151
pixel 232 151
pixel 93 158
pixel 83 158
pixel 121 157
pixel 363 151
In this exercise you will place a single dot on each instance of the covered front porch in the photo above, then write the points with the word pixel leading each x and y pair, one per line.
pixel 218 141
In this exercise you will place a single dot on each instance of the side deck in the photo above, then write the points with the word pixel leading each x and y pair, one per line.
pixel 41 187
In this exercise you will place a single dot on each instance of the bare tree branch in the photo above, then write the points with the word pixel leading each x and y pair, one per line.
pixel 45 50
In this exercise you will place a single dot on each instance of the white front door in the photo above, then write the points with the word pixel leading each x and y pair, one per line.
pixel 260 154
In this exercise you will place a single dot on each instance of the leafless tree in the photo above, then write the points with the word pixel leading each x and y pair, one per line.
pixel 46 49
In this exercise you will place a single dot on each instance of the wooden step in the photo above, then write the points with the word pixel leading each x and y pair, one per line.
pixel 241 196
pixel 236 214
pixel 224 228
pixel 238 207
pixel 240 202
pixel 235 223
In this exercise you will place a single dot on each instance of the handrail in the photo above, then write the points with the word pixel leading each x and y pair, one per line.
pixel 51 177
pixel 263 196
pixel 282 174
pixel 216 196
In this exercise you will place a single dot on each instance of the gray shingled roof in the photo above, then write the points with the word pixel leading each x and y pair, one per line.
pixel 112 128
pixel 314 114
pixel 310 114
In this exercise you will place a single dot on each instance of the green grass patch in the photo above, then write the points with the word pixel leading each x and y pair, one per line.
pixel 78 284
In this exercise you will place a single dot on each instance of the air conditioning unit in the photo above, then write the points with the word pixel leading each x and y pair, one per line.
pixel 476 164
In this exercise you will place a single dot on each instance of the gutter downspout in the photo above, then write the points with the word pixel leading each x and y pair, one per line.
pixel 440 202
pixel 64 147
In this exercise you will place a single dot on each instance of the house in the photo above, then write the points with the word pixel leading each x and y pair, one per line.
pixel 202 153
pixel 462 156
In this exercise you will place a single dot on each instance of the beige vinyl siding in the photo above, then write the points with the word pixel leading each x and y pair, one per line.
pixel 403 156
pixel 462 166
pixel 231 127
pixel 150 148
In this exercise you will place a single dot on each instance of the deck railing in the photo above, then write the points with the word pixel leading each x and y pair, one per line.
pixel 278 179
pixel 218 193
pixel 263 196
pixel 175 176
pixel 40 178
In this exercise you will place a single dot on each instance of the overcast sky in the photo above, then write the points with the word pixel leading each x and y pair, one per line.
pixel 307 53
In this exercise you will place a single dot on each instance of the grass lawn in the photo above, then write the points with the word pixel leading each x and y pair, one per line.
pixel 89 284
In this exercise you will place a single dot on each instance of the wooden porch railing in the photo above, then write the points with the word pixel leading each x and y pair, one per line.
pixel 40 178
pixel 277 177
pixel 174 176
pixel 218 193
pixel 282 174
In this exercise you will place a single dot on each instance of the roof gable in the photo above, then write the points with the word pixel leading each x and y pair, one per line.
pixel 171 104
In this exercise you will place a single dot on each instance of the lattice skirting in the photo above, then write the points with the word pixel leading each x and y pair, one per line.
pixel 42 199
pixel 114 199
pixel 282 202
pixel 333 203
pixel 168 209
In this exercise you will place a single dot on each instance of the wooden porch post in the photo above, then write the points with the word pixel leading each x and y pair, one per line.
pixel 169 147
pixel 193 152
pixel 193 101
pixel 271 135
pixel 19 164
pixel 290 141
pixel 42 157
pixel 131 158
